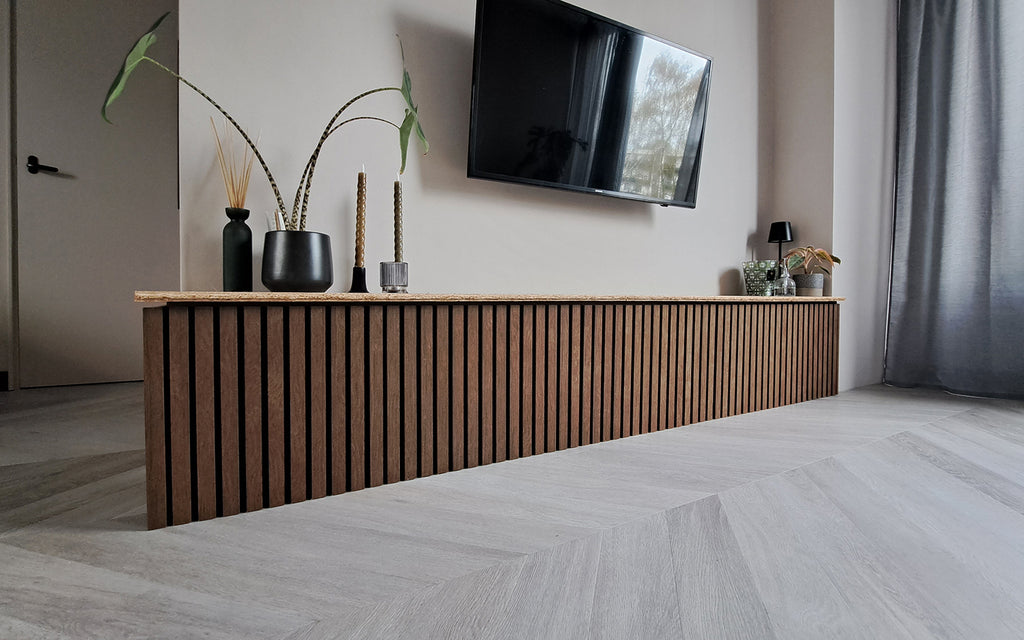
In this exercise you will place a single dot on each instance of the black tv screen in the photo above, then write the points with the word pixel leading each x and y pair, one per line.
pixel 568 99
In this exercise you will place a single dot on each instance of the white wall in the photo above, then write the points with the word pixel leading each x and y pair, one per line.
pixel 864 125
pixel 283 68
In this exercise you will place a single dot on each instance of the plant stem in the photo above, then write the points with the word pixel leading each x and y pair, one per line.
pixel 307 181
pixel 305 173
pixel 245 136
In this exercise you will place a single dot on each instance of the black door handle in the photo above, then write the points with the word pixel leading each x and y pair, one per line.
pixel 34 166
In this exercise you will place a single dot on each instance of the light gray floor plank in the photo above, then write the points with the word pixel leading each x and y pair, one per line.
pixel 717 595
pixel 881 513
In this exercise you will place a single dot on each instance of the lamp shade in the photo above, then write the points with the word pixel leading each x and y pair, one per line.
pixel 780 232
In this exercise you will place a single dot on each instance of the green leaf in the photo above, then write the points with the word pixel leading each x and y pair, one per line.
pixel 403 135
pixel 132 60
pixel 411 111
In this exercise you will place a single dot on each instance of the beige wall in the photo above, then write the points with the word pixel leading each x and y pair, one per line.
pixel 864 125
pixel 283 68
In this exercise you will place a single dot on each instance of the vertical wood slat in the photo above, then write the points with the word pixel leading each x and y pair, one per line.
pixel 230 424
pixel 205 416
pixel 153 360
pixel 318 402
pixel 515 380
pixel 180 441
pixel 410 393
pixel 487 427
pixel 458 386
pixel 252 389
pixel 391 391
pixel 527 382
pixel 586 374
pixel 375 395
pixel 501 386
pixel 297 419
pixel 427 379
pixel 530 378
pixel 275 434
pixel 471 427
pixel 358 425
pixel 340 373
pixel 551 419
pixel 442 389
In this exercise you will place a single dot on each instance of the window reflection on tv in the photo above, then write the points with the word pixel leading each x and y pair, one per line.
pixel 568 99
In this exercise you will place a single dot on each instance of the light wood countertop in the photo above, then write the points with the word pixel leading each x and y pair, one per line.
pixel 289 297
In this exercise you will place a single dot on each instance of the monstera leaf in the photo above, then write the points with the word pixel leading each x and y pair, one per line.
pixel 412 118
pixel 132 60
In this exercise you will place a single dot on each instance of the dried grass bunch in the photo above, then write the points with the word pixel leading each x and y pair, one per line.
pixel 234 170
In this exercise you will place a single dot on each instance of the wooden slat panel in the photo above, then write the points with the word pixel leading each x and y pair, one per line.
pixel 427 381
pixel 180 441
pixel 253 394
pixel 318 402
pixel 540 380
pixel 275 452
pixel 472 416
pixel 358 411
pixel 657 368
pixel 551 396
pixel 833 362
pixel 442 389
pixel 515 380
pixel 487 425
pixel 458 384
pixel 410 393
pixel 339 376
pixel 743 358
pixel 501 387
pixel 673 366
pixel 728 387
pixel 624 369
pixel 376 395
pixel 567 435
pixel 599 411
pixel 393 393
pixel 652 345
pixel 156 443
pixel 528 380
pixel 297 419
pixel 230 425
pixel 587 375
pixel 604 382
pixel 206 411
pixel 639 397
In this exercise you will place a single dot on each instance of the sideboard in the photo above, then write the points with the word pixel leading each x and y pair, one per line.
pixel 255 400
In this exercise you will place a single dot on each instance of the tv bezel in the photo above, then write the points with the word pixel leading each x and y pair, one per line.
pixel 472 172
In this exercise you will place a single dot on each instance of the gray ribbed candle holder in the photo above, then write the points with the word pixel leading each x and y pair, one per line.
pixel 394 277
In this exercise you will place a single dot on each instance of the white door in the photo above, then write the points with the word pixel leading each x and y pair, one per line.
pixel 106 224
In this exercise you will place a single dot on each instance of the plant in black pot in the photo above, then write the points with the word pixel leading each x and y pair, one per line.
pixel 294 259
pixel 809 266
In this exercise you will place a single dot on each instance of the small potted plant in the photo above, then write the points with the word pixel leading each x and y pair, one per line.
pixel 294 259
pixel 809 266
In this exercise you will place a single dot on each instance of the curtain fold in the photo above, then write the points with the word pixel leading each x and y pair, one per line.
pixel 956 313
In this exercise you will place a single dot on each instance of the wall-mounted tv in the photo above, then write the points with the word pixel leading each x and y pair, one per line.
pixel 565 98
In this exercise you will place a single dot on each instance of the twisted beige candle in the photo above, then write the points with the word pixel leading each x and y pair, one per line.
pixel 361 219
pixel 398 221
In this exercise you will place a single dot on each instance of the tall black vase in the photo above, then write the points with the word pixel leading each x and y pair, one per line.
pixel 237 251
pixel 297 261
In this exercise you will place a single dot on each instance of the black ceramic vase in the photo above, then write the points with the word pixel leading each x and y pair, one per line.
pixel 237 251
pixel 297 261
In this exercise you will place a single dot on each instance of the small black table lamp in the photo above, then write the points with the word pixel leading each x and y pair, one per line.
pixel 779 233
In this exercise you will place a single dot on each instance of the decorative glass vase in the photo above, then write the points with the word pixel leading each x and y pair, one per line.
pixel 784 285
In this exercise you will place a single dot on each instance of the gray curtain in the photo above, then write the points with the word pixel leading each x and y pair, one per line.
pixel 956 316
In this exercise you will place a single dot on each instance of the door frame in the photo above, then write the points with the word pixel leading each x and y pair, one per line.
pixel 8 204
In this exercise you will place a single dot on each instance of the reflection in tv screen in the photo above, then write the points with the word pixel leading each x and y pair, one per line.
pixel 565 98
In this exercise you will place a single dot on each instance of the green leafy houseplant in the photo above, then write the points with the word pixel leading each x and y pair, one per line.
pixel 297 219
pixel 810 260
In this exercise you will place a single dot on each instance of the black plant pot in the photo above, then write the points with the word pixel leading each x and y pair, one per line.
pixel 297 261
